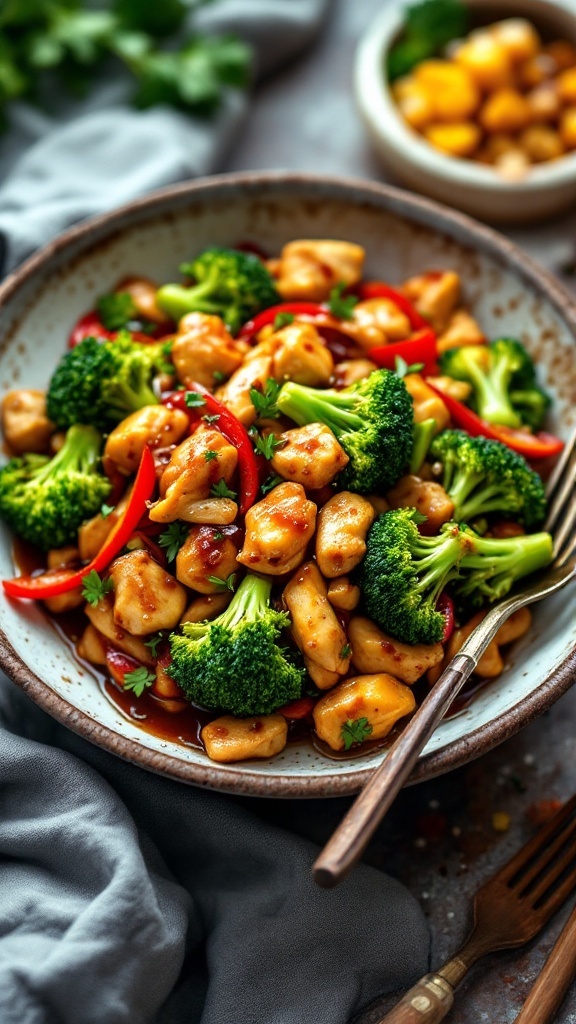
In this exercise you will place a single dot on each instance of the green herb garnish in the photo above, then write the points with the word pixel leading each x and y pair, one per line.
pixel 265 401
pixel 138 680
pixel 94 588
pixel 221 490
pixel 194 400
pixel 339 305
pixel 172 539
pixel 428 27
pixel 224 584
pixel 282 320
pixel 355 731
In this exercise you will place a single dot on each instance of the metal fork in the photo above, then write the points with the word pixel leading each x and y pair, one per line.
pixel 508 911
pixel 350 838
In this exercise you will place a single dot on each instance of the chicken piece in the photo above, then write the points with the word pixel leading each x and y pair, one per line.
pixel 427 497
pixel 147 598
pixel 254 372
pixel 310 268
pixel 343 523
pixel 300 355
pixel 206 607
pixel 207 553
pixel 461 329
pixel 426 404
pixel 93 533
pixel 491 663
pixel 195 467
pixel 142 291
pixel 278 529
pixel 92 646
pixel 323 678
pixel 153 425
pixel 458 389
pixel 166 689
pixel 102 618
pixel 204 351
pixel 376 322
pixel 311 456
pixel 59 558
pixel 378 699
pixel 435 296
pixel 25 424
pixel 315 628
pixel 379 504
pixel 351 370
pixel 374 651
pixel 343 594
pixel 240 739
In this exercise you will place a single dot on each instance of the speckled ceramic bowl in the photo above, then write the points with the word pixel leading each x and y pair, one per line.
pixel 403 235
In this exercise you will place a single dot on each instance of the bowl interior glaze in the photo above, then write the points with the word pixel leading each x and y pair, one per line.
pixel 402 235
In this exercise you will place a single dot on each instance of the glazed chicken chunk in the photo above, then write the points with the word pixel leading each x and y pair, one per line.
pixel 278 529
pixel 195 468
pixel 315 628
pixel 343 523
pixel 310 456
pixel 154 425
pixel 207 555
pixel 146 597
pixel 204 351
pixel 310 268
pixel 25 424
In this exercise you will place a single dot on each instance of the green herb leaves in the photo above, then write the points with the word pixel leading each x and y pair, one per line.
pixel 355 731
pixel 172 539
pixel 265 401
pixel 138 680
pixel 223 584
pixel 221 490
pixel 194 400
pixel 340 305
pixel 282 320
pixel 94 588
pixel 428 26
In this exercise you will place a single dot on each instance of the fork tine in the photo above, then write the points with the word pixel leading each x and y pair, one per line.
pixel 548 858
pixel 547 883
pixel 564 536
pixel 562 492
pixel 560 466
pixel 555 899
pixel 538 844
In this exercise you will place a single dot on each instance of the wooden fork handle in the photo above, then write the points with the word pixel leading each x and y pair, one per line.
pixel 427 1002
pixel 554 980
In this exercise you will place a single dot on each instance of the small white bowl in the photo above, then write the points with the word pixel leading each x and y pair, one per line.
pixel 475 188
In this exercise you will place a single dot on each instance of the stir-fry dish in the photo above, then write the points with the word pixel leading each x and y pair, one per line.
pixel 279 494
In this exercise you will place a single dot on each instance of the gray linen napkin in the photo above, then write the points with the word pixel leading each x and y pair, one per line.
pixel 126 898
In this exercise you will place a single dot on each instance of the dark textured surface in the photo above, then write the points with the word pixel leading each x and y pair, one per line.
pixel 440 838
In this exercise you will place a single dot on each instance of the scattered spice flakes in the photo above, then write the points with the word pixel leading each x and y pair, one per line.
pixel 541 811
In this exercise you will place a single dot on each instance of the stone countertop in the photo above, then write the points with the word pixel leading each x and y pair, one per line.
pixel 440 838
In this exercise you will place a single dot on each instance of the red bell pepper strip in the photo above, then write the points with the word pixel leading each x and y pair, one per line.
pixel 379 290
pixel 89 326
pixel 233 430
pixel 51 584
pixel 420 348
pixel 531 446
pixel 268 316
pixel 445 604
pixel 297 709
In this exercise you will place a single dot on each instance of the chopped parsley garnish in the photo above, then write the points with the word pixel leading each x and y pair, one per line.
pixel 105 510
pixel 266 446
pixel 194 400
pixel 339 305
pixel 172 539
pixel 270 483
pixel 227 584
pixel 211 417
pixel 218 377
pixel 210 456
pixel 346 652
pixel 138 680
pixel 265 401
pixel 153 643
pixel 355 731
pixel 217 535
pixel 282 320
pixel 401 367
pixel 94 588
pixel 221 490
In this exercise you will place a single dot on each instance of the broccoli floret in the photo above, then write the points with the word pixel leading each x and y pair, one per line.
pixel 45 500
pixel 101 382
pixel 503 378
pixel 483 476
pixel 231 284
pixel 235 662
pixel 373 421
pixel 403 573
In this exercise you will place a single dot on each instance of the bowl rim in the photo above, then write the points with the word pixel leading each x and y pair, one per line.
pixel 383 117
pixel 414 208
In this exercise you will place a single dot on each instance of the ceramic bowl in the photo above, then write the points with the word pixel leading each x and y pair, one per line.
pixel 403 235
pixel 547 188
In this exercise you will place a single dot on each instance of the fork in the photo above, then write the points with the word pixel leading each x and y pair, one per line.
pixel 508 911
pixel 351 837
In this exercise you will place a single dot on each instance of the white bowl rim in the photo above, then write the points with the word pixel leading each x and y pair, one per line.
pixel 402 204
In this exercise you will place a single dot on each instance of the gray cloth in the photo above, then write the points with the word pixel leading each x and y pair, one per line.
pixel 124 897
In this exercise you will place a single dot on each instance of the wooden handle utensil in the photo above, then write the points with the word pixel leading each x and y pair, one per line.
pixel 554 979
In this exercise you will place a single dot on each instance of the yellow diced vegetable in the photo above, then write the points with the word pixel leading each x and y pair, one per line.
pixel 455 139
pixel 541 143
pixel 506 110
pixel 562 52
pixel 518 37
pixel 451 89
pixel 413 101
pixel 568 128
pixel 484 57
pixel 566 85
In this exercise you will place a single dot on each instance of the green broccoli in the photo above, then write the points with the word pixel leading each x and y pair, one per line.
pixel 101 382
pixel 403 573
pixel 373 421
pixel 503 378
pixel 231 284
pixel 45 500
pixel 483 476
pixel 235 662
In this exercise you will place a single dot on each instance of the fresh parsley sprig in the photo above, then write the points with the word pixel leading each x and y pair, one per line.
pixel 265 401
pixel 267 445
pixel 221 490
pixel 270 483
pixel 138 680
pixel 340 305
pixel 153 643
pixel 194 400
pixel 94 588
pixel 282 320
pixel 223 584
pixel 355 731
pixel 172 539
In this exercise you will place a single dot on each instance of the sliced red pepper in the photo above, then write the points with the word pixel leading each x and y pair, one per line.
pixel 60 582
pixel 445 604
pixel 531 446
pixel 268 316
pixel 379 290
pixel 233 431
pixel 297 709
pixel 89 326
pixel 120 664
pixel 420 348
